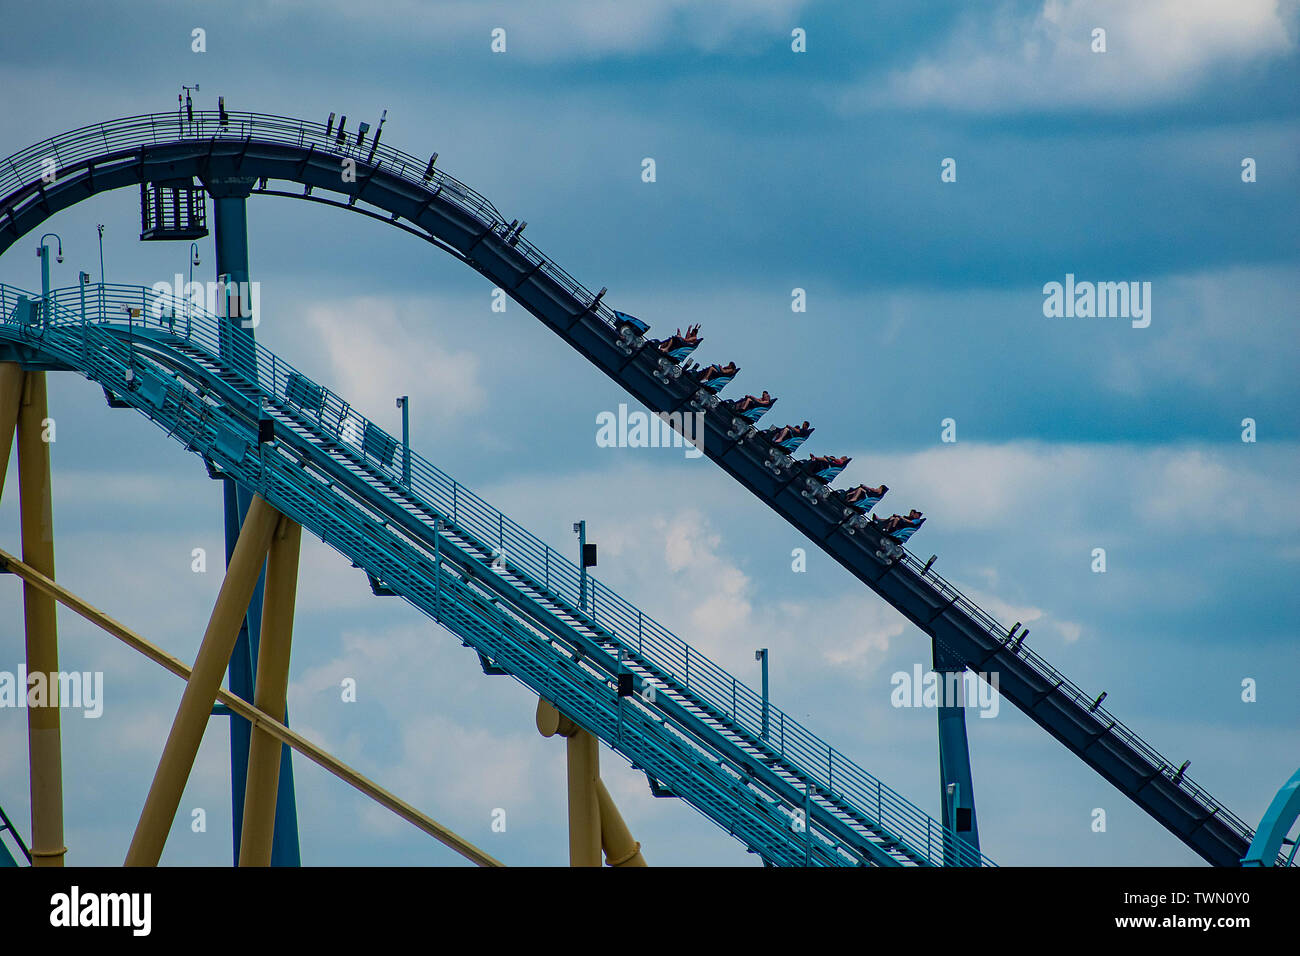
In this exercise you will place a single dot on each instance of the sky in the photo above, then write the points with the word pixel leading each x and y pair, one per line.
pixel 775 170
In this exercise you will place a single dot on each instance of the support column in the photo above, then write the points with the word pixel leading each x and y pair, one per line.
pixel 11 396
pixel 584 807
pixel 201 689
pixel 37 517
pixel 594 821
pixel 620 848
pixel 237 350
pixel 956 788
pixel 271 689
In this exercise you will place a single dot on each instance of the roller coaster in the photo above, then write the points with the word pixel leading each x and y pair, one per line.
pixel 292 454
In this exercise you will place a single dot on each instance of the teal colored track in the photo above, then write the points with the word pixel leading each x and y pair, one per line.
pixel 693 728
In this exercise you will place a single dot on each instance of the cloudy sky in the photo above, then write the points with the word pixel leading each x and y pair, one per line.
pixel 775 170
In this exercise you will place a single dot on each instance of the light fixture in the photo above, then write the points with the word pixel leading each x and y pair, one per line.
pixel 41 249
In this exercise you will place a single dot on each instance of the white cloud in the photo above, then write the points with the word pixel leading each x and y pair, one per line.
pixel 1055 488
pixel 367 340
pixel 1156 51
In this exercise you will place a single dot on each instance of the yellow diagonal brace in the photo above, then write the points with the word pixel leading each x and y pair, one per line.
pixel 11 395
pixel 204 683
pixel 620 848
pixel 262 786
pixel 37 519
pixel 259 719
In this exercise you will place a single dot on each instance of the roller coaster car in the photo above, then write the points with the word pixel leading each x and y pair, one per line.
pixel 858 503
pixel 905 532
pixel 823 470
pixel 624 321
pixel 631 332
pixel 863 498
pixel 678 345
pixel 824 467
pixel 789 437
pixel 900 527
pixel 715 377
pixel 751 408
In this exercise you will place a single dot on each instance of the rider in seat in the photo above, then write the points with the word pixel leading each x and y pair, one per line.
pixel 677 346
pixel 716 376
pixel 751 408
pixel 901 527
pixel 863 497
pixel 826 467
pixel 789 437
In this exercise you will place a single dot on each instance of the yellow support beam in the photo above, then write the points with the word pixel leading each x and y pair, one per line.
pixel 269 694
pixel 615 838
pixel 36 512
pixel 201 689
pixel 259 719
pixel 11 396
pixel 594 820
pixel 584 808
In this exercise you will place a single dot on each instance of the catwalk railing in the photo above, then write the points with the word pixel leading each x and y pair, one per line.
pixel 93 143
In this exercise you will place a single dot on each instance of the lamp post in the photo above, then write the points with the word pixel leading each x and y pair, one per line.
pixel 404 403
pixel 189 286
pixel 586 559
pixel 83 278
pixel 761 655
pixel 580 528
pixel 43 253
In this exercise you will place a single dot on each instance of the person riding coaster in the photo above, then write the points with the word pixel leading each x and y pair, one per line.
pixel 677 346
pixel 789 437
pixel 825 467
pixel 901 527
pixel 752 408
pixel 864 498
pixel 715 377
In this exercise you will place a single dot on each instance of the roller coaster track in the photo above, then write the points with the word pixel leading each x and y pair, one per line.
pixel 256 148
pixel 694 728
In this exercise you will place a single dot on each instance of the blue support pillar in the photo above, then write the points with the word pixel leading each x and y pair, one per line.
pixel 956 788
pixel 237 349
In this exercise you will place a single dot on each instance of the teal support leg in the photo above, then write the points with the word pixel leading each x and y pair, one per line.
pixel 956 788
pixel 1278 820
